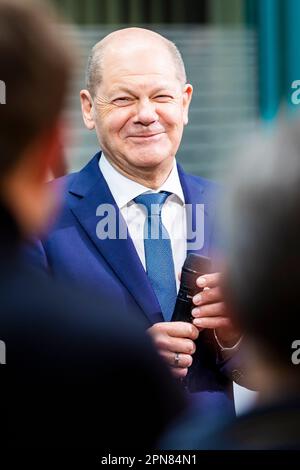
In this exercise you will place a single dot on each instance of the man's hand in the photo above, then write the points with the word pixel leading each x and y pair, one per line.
pixel 175 342
pixel 210 311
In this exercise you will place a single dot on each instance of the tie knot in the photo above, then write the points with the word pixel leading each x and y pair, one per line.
pixel 152 199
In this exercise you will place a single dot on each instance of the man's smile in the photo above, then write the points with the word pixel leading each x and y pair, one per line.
pixel 146 137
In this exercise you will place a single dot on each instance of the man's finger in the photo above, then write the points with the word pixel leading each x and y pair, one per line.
pixel 183 361
pixel 208 280
pixel 175 329
pixel 179 373
pixel 208 296
pixel 212 322
pixel 210 310
pixel 181 329
pixel 175 345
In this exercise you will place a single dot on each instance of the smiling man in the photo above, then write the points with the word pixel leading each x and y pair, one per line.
pixel 137 100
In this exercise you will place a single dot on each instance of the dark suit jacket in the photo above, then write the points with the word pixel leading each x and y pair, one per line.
pixel 79 371
pixel 73 251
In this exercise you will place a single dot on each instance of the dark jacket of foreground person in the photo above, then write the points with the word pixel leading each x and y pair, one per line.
pixel 74 377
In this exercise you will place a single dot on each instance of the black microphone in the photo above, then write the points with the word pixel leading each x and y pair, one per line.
pixel 194 266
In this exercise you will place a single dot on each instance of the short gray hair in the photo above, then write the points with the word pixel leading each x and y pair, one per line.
pixel 94 64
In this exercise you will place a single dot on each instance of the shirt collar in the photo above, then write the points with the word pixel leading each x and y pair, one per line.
pixel 124 190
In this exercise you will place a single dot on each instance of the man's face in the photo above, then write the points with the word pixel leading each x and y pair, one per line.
pixel 140 107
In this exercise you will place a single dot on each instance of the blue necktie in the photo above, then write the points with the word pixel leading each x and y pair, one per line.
pixel 158 252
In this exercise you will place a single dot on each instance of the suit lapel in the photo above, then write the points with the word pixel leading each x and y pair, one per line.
pixel 195 192
pixel 119 253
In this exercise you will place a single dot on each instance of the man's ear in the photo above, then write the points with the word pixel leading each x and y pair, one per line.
pixel 187 97
pixel 87 108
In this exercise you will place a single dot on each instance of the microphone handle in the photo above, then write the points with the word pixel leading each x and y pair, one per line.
pixel 184 302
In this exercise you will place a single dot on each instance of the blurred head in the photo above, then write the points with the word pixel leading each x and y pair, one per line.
pixel 35 68
pixel 263 229
pixel 137 100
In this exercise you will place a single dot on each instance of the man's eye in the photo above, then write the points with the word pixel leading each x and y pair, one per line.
pixel 123 100
pixel 163 98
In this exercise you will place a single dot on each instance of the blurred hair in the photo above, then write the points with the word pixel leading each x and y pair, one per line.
pixel 35 67
pixel 263 243
pixel 94 69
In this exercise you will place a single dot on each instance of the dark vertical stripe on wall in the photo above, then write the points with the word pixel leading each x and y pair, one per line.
pixel 76 10
pixel 226 11
pixel 196 11
pixel 136 12
pixel 124 11
pixel 97 11
pixel 269 58
pixel 156 11
pixel 250 12
pixel 114 11
pixel 177 13
pixel 292 49
pixel 167 9
pixel 147 11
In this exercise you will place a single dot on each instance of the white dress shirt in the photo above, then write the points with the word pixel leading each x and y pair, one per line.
pixel 173 215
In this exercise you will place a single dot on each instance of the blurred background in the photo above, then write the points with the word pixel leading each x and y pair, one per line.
pixel 242 57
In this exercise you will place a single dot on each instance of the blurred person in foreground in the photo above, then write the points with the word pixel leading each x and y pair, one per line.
pixel 79 372
pixel 137 100
pixel 261 290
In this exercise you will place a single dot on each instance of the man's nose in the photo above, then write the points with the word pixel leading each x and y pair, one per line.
pixel 146 113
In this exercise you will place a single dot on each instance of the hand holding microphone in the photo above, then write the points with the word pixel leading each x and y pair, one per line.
pixel 200 300
pixel 194 267
pixel 175 340
pixel 196 308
